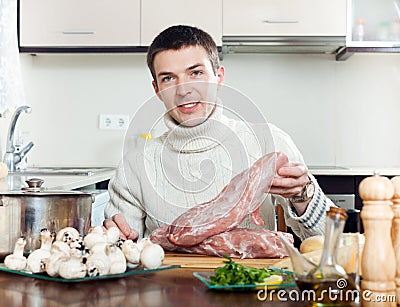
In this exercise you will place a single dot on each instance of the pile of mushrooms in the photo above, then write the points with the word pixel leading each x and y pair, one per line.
pixel 100 252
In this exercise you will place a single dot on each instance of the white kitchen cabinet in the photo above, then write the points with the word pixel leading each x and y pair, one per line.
pixel 75 23
pixel 284 18
pixel 158 15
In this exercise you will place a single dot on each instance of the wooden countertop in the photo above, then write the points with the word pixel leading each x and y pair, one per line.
pixel 177 287
pixel 194 261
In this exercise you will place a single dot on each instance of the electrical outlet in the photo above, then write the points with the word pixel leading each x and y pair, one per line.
pixel 113 121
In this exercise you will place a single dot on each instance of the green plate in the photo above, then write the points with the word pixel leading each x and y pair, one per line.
pixel 130 271
pixel 288 281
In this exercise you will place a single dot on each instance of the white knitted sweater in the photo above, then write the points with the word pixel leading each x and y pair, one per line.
pixel 158 180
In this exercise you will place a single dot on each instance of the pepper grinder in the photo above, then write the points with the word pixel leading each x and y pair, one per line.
pixel 396 229
pixel 378 259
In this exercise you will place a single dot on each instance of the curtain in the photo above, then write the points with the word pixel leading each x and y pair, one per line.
pixel 11 89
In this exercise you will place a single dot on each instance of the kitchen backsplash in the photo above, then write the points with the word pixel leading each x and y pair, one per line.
pixel 338 113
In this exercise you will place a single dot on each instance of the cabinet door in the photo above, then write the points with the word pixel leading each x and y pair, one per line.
pixel 158 15
pixel 284 18
pixel 58 23
pixel 373 23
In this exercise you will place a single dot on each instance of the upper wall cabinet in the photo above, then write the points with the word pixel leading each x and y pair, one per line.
pixel 284 18
pixel 73 23
pixel 373 23
pixel 158 15
pixel 284 26
pixel 372 26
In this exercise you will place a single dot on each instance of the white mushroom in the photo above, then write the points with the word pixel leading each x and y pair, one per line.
pixel 36 260
pixel 60 252
pixel 67 235
pixel 144 242
pixel 131 251
pixel 152 256
pixel 16 260
pixel 73 268
pixel 95 235
pixel 98 262
pixel 112 235
pixel 78 244
pixel 117 260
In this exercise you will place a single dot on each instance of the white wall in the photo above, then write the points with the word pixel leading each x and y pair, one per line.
pixel 338 113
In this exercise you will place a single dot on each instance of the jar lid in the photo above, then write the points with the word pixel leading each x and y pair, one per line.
pixel 336 212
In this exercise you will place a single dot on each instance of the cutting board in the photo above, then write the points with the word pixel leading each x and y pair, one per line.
pixel 210 262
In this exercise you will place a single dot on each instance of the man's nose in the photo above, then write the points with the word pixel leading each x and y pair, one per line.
pixel 183 88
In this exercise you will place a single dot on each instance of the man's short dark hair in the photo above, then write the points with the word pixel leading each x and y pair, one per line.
pixel 177 37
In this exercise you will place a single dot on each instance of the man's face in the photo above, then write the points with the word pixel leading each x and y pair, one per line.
pixel 187 84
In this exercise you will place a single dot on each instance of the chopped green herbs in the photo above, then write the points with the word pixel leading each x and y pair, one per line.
pixel 236 274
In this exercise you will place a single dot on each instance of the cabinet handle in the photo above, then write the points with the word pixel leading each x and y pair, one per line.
pixel 78 32
pixel 280 21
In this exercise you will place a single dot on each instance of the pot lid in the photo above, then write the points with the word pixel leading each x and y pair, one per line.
pixel 35 188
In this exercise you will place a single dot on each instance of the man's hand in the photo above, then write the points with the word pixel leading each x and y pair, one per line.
pixel 118 220
pixel 291 179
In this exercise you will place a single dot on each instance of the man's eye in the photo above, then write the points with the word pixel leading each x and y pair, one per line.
pixel 166 79
pixel 197 73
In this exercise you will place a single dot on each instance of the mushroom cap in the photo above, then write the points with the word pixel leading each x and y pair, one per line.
pixel 144 242
pixel 152 256
pixel 14 262
pixel 131 251
pixel 36 260
pixel 112 235
pixel 117 259
pixel 60 247
pixel 73 268
pixel 67 235
pixel 92 238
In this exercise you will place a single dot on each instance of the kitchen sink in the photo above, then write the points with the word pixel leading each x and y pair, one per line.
pixel 64 171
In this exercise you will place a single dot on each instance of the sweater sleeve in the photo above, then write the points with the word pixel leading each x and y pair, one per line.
pixel 312 222
pixel 124 198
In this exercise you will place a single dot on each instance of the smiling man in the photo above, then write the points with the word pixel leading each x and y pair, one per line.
pixel 187 77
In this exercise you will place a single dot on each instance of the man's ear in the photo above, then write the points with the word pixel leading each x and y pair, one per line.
pixel 156 89
pixel 221 76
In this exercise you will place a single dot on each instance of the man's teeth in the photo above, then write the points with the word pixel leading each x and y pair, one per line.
pixel 189 105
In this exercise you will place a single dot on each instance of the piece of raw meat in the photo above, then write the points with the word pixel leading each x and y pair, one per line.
pixel 237 243
pixel 241 197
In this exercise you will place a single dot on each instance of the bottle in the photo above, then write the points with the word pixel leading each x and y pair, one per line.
pixel 359 30
pixel 328 281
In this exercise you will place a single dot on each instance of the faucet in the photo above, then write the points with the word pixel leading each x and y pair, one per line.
pixel 12 158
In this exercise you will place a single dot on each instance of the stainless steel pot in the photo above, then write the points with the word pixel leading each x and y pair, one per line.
pixel 26 212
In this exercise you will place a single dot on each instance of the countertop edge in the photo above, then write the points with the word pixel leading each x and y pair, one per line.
pixel 356 172
pixel 55 182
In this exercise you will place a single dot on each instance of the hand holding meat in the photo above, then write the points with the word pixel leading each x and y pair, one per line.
pixel 210 228
pixel 291 179
pixel 241 197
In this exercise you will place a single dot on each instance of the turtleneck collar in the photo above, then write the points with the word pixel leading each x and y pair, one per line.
pixel 202 137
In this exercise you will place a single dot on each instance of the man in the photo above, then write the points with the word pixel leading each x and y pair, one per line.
pixel 187 75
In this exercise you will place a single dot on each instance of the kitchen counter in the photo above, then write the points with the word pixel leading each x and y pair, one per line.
pixel 176 287
pixel 352 171
pixel 55 182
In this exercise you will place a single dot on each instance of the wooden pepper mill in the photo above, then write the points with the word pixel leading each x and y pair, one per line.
pixel 396 230
pixel 378 259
